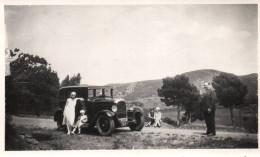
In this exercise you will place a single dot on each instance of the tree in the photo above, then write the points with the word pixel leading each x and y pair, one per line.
pixel 74 80
pixel 66 81
pixel 193 112
pixel 178 92
pixel 230 91
pixel 32 84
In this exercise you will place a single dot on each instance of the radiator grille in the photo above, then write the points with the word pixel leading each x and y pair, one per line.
pixel 121 109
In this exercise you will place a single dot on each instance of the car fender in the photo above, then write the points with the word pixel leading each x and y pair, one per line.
pixel 58 112
pixel 137 109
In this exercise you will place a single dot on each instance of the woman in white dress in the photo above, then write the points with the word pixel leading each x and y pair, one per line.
pixel 69 111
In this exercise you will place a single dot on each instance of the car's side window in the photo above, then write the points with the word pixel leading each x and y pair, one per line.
pixel 90 93
pixel 98 92
pixel 107 92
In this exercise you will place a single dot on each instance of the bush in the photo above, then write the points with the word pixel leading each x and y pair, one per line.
pixel 9 131
pixel 169 121
pixel 194 116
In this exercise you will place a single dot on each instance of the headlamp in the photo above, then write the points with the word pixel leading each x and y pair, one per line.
pixel 114 108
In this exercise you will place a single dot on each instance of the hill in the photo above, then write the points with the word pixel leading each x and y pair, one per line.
pixel 146 91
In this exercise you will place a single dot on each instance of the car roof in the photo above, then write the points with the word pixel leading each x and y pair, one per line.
pixel 85 86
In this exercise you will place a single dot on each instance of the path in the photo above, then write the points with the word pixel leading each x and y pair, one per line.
pixel 50 124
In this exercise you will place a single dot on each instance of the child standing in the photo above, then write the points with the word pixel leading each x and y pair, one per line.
pixel 82 119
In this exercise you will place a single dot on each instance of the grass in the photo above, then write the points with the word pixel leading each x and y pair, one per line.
pixel 223 122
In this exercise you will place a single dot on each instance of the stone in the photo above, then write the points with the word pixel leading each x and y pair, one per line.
pixel 22 137
pixel 28 135
pixel 32 141
pixel 176 142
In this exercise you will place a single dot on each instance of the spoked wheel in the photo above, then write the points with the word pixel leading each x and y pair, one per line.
pixel 105 125
pixel 138 124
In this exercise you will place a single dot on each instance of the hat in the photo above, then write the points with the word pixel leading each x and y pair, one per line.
pixel 73 93
pixel 82 111
pixel 157 108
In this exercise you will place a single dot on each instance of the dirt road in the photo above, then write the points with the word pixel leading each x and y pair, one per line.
pixel 165 129
pixel 46 137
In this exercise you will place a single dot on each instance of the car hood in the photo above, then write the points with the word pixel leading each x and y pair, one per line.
pixel 118 100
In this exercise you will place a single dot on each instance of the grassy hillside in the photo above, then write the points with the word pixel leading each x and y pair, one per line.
pixel 146 91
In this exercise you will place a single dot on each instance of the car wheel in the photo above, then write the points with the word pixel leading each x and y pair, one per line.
pixel 139 124
pixel 105 125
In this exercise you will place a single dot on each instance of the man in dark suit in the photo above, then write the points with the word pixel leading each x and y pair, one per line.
pixel 208 108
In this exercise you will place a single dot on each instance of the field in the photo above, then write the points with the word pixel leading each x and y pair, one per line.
pixel 249 122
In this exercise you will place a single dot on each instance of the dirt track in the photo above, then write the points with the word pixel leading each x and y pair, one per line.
pixel 165 129
pixel 166 137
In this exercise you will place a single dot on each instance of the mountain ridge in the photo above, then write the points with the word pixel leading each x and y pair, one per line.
pixel 146 91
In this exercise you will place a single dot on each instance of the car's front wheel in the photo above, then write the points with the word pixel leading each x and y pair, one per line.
pixel 105 125
pixel 138 124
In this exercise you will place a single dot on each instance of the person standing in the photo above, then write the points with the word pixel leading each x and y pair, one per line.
pixel 69 112
pixel 208 108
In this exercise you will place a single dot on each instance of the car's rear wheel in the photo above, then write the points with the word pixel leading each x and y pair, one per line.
pixel 105 125
pixel 138 124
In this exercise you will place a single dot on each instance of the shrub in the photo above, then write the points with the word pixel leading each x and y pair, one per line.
pixel 169 121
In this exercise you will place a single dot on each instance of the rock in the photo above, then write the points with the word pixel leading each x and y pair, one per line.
pixel 32 141
pixel 28 135
pixel 176 142
pixel 22 137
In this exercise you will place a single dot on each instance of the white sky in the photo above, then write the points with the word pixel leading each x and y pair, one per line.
pixel 116 44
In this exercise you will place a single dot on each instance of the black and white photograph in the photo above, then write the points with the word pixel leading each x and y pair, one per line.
pixel 131 77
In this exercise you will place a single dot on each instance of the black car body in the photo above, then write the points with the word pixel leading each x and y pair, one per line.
pixel 102 109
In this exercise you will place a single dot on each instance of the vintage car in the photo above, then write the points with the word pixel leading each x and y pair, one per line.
pixel 103 111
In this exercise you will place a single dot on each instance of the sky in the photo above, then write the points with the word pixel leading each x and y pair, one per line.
pixel 128 43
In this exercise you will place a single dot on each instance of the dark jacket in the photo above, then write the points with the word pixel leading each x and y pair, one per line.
pixel 208 101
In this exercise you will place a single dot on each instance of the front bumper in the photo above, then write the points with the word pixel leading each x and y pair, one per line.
pixel 125 121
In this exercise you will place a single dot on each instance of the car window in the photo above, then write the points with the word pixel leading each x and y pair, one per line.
pixel 107 92
pixel 99 92
pixel 80 93
pixel 90 93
